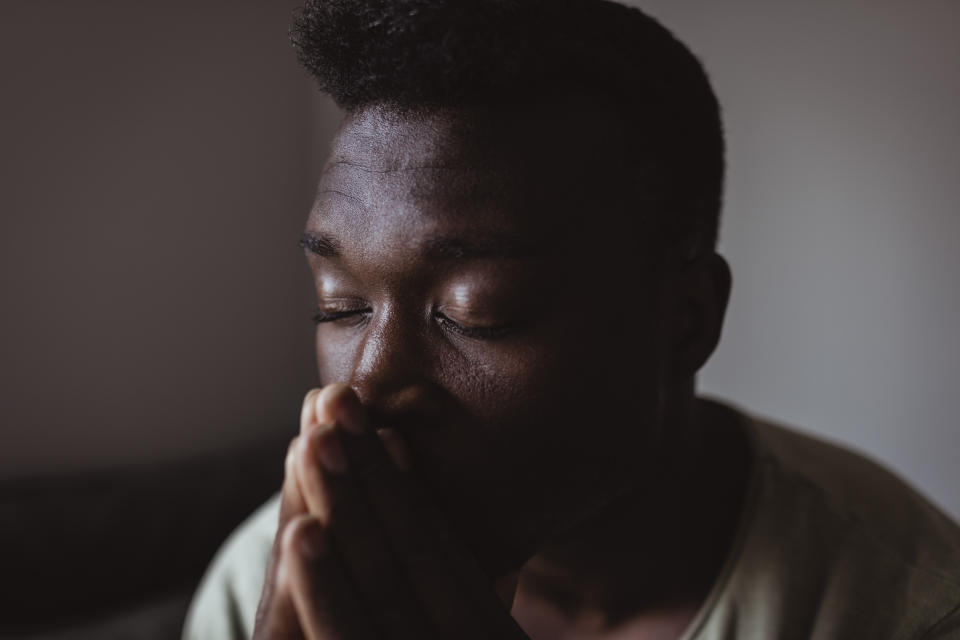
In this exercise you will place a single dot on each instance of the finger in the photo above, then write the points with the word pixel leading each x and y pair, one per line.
pixel 317 406
pixel 447 579
pixel 308 412
pixel 332 496
pixel 325 602
pixel 317 461
pixel 393 492
pixel 291 498
pixel 276 617
pixel 317 410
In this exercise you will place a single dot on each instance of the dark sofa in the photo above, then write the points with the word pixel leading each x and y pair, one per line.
pixel 118 554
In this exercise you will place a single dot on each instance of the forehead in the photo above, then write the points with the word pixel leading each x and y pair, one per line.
pixel 431 163
pixel 528 172
pixel 559 135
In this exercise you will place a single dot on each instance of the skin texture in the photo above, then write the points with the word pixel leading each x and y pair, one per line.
pixel 492 297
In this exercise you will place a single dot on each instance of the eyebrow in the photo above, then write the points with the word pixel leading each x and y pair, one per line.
pixel 322 245
pixel 327 246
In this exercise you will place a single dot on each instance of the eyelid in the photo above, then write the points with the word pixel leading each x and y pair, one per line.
pixel 342 303
pixel 476 332
pixel 480 313
pixel 334 309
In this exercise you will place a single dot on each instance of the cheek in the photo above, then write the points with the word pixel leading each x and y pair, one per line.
pixel 335 356
pixel 574 395
pixel 557 430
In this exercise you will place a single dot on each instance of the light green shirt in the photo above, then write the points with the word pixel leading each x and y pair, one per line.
pixel 830 546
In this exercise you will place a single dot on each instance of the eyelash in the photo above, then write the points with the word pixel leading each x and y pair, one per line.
pixel 320 316
pixel 475 333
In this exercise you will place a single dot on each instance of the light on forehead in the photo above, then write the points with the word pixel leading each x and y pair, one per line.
pixel 562 131
pixel 326 245
pixel 380 139
pixel 562 177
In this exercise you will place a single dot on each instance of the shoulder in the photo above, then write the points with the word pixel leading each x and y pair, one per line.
pixel 225 603
pixel 849 487
pixel 832 545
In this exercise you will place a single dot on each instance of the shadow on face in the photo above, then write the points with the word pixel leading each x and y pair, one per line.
pixel 482 284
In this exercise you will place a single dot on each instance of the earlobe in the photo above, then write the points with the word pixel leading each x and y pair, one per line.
pixel 699 306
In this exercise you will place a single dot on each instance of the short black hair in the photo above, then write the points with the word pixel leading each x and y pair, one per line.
pixel 412 54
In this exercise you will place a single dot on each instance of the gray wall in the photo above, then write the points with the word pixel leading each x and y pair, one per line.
pixel 842 220
pixel 158 159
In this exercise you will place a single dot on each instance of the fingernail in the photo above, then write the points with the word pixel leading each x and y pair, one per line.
pixel 330 450
pixel 313 542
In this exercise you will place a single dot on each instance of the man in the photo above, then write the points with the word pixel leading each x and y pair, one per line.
pixel 513 245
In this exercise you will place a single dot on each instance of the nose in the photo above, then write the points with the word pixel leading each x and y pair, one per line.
pixel 390 369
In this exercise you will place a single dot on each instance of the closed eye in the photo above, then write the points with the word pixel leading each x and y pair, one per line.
pixel 354 316
pixel 475 333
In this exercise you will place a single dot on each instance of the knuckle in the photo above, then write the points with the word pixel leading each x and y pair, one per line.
pixel 288 536
pixel 322 434
pixel 307 447
pixel 315 441
pixel 295 534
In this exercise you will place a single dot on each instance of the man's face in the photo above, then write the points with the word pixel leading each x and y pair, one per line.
pixel 479 291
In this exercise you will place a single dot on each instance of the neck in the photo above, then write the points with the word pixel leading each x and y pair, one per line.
pixel 657 547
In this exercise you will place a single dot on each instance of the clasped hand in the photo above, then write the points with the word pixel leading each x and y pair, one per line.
pixel 360 552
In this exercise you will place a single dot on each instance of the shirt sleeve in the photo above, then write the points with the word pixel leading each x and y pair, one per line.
pixel 225 603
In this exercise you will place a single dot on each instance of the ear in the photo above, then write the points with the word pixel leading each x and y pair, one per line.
pixel 698 299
